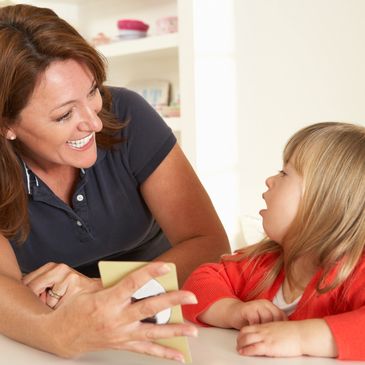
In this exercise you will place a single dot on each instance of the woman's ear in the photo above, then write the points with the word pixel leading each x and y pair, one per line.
pixel 10 135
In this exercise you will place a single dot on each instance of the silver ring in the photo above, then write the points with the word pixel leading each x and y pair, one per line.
pixel 54 294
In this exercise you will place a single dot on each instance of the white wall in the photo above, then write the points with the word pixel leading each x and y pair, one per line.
pixel 215 81
pixel 261 69
pixel 299 61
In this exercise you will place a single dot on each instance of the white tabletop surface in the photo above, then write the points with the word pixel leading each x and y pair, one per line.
pixel 213 347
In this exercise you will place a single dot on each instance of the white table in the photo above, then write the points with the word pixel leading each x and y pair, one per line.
pixel 212 347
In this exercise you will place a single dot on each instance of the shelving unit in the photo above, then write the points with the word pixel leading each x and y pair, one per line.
pixel 154 57
pixel 141 45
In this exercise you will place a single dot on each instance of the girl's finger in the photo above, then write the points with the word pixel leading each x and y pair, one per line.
pixel 247 339
pixel 256 349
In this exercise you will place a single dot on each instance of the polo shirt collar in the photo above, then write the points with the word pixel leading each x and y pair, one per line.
pixel 30 178
pixel 31 181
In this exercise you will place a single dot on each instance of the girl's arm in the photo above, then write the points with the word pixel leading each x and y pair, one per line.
pixel 311 337
pixel 348 329
pixel 234 313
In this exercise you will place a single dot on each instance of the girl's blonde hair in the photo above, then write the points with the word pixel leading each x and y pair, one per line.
pixel 330 223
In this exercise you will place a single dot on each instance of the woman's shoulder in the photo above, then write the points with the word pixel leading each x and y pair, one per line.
pixel 125 101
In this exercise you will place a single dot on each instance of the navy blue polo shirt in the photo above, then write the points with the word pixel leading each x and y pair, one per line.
pixel 108 219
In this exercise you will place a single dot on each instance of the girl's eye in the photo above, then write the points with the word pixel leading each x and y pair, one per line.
pixel 282 172
pixel 65 117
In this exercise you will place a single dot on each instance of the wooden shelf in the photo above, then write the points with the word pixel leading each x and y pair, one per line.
pixel 141 45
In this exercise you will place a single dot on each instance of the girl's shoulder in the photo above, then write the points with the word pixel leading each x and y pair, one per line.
pixel 239 262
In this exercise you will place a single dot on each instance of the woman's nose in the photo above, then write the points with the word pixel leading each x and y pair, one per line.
pixel 91 121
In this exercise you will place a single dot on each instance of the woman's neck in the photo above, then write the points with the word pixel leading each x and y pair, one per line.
pixel 61 179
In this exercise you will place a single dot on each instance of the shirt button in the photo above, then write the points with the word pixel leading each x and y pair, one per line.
pixel 79 223
pixel 80 198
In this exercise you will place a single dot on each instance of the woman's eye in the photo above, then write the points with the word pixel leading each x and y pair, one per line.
pixel 65 117
pixel 94 90
pixel 282 172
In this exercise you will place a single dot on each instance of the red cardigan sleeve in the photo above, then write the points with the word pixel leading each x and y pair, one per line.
pixel 209 282
pixel 228 279
pixel 348 330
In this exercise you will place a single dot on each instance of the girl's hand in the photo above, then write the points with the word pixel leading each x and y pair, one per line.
pixel 107 318
pixel 55 283
pixel 270 339
pixel 291 338
pixel 254 312
pixel 233 313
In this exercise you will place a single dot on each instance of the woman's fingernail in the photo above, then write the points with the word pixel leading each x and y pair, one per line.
pixel 192 332
pixel 190 299
pixel 164 269
pixel 180 358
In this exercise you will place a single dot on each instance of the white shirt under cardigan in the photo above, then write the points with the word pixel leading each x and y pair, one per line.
pixel 280 302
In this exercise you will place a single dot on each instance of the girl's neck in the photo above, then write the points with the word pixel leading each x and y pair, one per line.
pixel 303 270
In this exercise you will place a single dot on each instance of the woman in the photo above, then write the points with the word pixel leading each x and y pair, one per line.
pixel 98 171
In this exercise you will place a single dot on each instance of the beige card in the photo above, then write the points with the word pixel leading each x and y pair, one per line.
pixel 112 271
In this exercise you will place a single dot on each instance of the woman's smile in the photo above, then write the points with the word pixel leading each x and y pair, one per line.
pixel 83 143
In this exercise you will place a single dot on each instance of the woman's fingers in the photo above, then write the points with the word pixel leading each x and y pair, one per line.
pixel 127 286
pixel 108 319
pixel 152 332
pixel 34 274
pixel 55 294
pixel 150 348
pixel 153 305
pixel 41 279
pixel 55 283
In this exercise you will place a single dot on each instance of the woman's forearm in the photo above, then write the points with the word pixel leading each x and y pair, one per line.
pixel 188 255
pixel 24 317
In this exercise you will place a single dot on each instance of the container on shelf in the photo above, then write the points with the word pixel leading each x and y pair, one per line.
pixel 132 28
pixel 167 25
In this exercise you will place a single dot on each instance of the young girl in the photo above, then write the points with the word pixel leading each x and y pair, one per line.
pixel 301 291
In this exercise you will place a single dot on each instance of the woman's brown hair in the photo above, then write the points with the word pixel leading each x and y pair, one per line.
pixel 329 226
pixel 31 38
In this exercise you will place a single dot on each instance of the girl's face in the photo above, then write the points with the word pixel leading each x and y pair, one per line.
pixel 58 125
pixel 282 200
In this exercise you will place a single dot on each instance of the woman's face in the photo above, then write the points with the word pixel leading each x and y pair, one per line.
pixel 282 200
pixel 58 125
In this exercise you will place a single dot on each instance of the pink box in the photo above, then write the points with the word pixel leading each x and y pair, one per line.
pixel 132 24
pixel 167 25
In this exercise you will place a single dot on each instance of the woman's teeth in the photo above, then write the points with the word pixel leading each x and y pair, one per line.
pixel 79 143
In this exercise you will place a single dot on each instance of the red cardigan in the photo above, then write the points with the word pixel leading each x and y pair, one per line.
pixel 342 308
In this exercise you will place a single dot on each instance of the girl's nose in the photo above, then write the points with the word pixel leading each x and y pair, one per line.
pixel 268 181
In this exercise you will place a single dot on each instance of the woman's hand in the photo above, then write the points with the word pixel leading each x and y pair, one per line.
pixel 107 319
pixel 291 338
pixel 55 283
